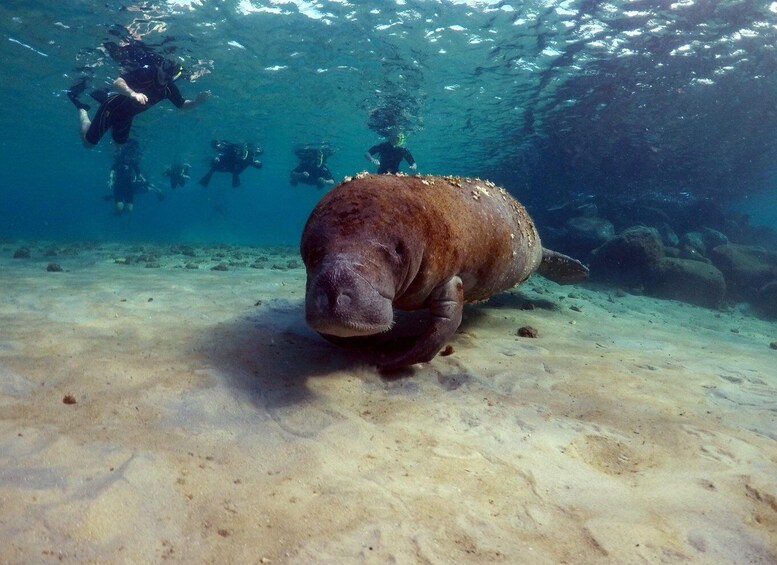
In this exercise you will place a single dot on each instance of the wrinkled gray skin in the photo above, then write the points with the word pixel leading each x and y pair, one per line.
pixel 379 242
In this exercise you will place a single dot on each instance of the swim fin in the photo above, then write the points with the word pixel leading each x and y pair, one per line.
pixel 75 91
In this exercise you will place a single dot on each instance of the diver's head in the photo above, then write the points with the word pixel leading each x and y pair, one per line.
pixel 129 150
pixel 398 139
pixel 125 157
pixel 169 71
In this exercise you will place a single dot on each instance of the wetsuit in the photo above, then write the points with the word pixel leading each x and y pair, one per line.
pixel 390 157
pixel 234 159
pixel 314 172
pixel 124 177
pixel 117 111
pixel 178 175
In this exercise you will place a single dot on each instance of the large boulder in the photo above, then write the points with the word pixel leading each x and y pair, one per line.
pixel 746 268
pixel 693 241
pixel 589 232
pixel 712 238
pixel 629 258
pixel 668 235
pixel 689 281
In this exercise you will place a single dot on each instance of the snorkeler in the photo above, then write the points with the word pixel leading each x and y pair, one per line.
pixel 312 167
pixel 391 154
pixel 126 180
pixel 178 173
pixel 233 158
pixel 137 91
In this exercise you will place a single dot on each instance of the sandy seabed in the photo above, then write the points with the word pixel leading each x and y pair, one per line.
pixel 156 412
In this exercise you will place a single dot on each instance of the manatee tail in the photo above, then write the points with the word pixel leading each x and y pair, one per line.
pixel 561 268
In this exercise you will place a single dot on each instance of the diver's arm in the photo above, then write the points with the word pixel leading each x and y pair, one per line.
pixel 410 160
pixel 121 85
pixel 371 159
pixel 199 99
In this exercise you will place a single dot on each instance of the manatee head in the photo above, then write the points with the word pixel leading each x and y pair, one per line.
pixel 348 294
pixel 361 253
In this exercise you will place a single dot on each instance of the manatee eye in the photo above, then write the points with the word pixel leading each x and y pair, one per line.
pixel 399 248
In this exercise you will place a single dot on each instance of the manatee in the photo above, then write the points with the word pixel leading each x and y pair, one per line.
pixel 376 243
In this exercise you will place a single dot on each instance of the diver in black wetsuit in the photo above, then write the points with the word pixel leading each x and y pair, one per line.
pixel 178 173
pixel 126 180
pixel 391 154
pixel 137 91
pixel 312 167
pixel 233 158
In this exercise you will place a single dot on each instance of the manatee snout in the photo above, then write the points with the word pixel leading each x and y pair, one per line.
pixel 342 301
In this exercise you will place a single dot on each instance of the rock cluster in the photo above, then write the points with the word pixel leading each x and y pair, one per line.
pixel 672 255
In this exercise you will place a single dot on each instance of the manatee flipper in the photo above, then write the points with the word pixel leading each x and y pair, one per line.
pixel 561 268
pixel 446 305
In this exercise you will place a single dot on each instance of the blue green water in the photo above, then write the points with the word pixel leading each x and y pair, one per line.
pixel 551 99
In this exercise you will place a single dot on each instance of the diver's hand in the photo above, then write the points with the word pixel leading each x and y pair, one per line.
pixel 374 161
pixel 413 167
pixel 140 98
pixel 199 99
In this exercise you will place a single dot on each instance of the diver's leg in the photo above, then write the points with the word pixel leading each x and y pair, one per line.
pixel 92 131
pixel 101 94
pixel 84 125
pixel 75 91
pixel 205 181
pixel 121 130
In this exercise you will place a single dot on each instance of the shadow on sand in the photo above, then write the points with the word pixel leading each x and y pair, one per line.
pixel 269 355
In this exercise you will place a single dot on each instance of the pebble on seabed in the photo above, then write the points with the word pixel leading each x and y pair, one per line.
pixel 527 331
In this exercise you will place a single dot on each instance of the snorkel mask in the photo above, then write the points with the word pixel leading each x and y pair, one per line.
pixel 172 70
